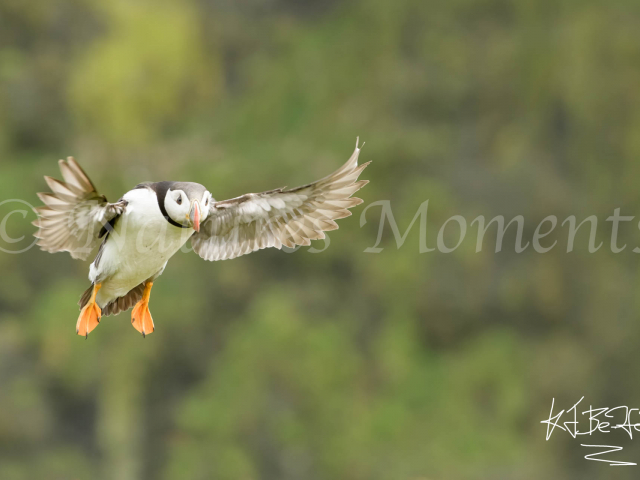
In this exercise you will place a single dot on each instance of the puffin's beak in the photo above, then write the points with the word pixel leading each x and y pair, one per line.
pixel 194 216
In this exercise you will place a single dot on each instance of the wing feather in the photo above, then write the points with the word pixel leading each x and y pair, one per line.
pixel 73 213
pixel 279 217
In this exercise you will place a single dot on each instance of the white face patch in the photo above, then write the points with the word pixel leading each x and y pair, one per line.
pixel 177 205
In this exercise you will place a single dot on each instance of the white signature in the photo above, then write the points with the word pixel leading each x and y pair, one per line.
pixel 601 420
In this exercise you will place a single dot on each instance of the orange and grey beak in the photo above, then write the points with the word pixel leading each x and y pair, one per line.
pixel 194 216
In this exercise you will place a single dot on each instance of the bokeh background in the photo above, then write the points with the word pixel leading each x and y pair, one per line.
pixel 341 364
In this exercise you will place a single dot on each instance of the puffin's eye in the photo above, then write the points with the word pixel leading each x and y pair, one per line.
pixel 206 204
pixel 179 200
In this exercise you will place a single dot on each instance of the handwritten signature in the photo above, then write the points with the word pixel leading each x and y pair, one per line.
pixel 602 420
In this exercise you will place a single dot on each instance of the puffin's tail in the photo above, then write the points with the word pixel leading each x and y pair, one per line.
pixel 117 305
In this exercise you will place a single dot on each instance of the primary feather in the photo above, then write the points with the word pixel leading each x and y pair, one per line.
pixel 279 217
pixel 73 213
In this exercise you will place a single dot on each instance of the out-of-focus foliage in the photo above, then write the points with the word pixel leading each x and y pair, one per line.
pixel 146 75
pixel 341 364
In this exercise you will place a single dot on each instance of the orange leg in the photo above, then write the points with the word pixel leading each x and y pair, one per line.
pixel 141 316
pixel 89 315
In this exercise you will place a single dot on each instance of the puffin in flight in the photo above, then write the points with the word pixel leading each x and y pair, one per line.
pixel 139 233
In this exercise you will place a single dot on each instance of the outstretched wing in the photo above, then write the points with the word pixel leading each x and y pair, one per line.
pixel 279 217
pixel 73 214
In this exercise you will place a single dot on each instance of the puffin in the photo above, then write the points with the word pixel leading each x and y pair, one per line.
pixel 137 235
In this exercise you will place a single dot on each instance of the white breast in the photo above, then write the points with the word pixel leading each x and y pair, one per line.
pixel 139 247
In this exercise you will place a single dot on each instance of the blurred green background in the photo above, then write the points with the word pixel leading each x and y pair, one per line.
pixel 341 364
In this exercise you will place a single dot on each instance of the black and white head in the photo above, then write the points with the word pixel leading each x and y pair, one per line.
pixel 184 203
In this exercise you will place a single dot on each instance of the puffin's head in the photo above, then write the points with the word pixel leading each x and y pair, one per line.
pixel 187 203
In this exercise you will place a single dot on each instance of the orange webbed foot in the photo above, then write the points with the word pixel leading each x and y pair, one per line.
pixel 141 316
pixel 89 315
